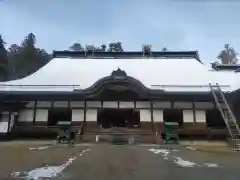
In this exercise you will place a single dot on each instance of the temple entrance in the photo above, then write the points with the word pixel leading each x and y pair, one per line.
pixel 58 114
pixel 116 118
pixel 173 115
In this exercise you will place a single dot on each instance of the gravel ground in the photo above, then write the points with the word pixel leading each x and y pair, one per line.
pixel 26 157
pixel 120 162
pixel 133 162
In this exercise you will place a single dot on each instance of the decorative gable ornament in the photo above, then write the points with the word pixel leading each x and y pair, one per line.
pixel 118 74
pixel 228 55
pixel 89 50
pixel 147 49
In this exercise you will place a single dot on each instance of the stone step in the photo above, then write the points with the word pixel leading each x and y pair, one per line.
pixel 150 138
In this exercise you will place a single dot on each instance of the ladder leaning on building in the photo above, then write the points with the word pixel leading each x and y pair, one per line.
pixel 227 115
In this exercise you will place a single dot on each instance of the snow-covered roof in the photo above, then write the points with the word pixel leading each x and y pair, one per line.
pixel 68 74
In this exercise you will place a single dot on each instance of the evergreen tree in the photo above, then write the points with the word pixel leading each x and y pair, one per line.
pixel 115 47
pixel 76 47
pixel 13 60
pixel 26 59
pixel 3 60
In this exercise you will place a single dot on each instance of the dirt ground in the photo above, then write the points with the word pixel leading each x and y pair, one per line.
pixel 118 162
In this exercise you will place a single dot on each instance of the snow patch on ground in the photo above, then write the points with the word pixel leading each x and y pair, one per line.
pixel 83 151
pixel 211 165
pixel 39 148
pixel 183 163
pixel 46 171
pixel 43 172
pixel 166 154
pixel 162 151
pixel 15 174
pixel 191 148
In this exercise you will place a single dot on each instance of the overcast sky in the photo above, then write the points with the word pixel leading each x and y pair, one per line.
pixel 203 25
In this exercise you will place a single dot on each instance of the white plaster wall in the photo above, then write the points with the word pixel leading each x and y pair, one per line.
pixel 62 104
pixel 125 104
pixel 182 105
pixel 94 104
pixel 77 104
pixel 143 104
pixel 45 104
pixel 145 115
pixel 188 116
pixel 4 123
pixel 91 115
pixel 77 115
pixel 26 115
pixel 41 115
pixel 200 116
pixel 204 105
pixel 3 127
pixel 157 115
pixel 110 104
pixel 30 104
pixel 164 105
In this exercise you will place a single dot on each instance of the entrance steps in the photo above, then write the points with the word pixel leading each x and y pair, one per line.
pixel 120 135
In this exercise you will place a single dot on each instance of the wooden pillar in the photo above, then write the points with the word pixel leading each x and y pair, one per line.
pixel 9 121
pixel 172 104
pixel 194 112
pixel 34 112
pixel 69 109
pixel 118 104
pixel 52 103
pixel 85 110
pixel 215 105
pixel 84 118
pixel 151 106
pixel 151 110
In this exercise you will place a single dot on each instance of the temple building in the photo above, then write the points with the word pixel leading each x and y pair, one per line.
pixel 139 91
